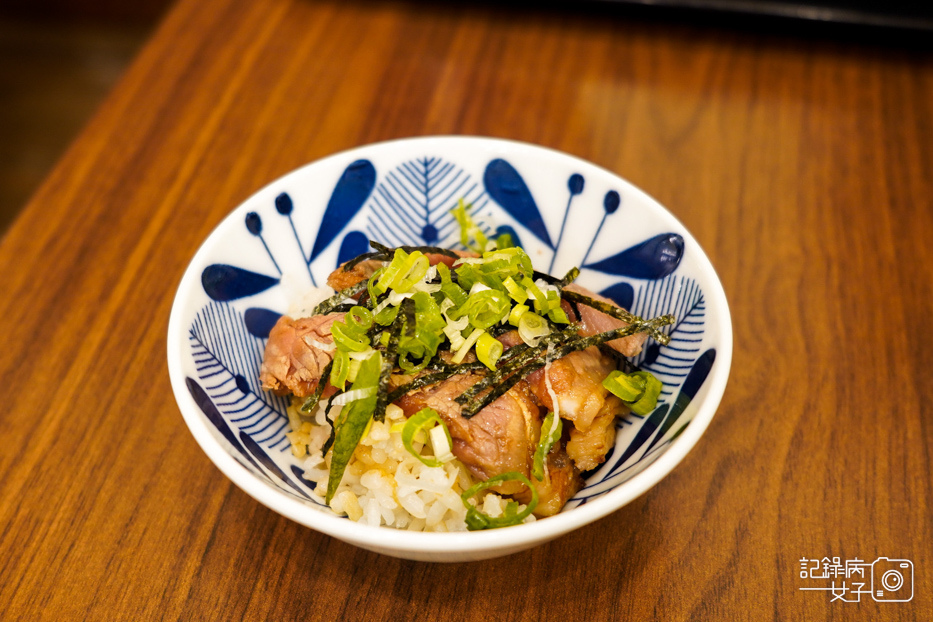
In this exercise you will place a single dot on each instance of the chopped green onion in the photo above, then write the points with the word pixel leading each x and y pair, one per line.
pixel 640 390
pixel 517 293
pixel 468 229
pixel 340 369
pixel 449 288
pixel 353 369
pixel 488 350
pixel 351 423
pixel 516 314
pixel 476 520
pixel 504 241
pixel 386 315
pixel 348 339
pixel 359 319
pixel 467 344
pixel 550 433
pixel 403 271
pixel 422 420
pixel 485 308
pixel 532 327
pixel 540 298
pixel 372 285
pixel 558 316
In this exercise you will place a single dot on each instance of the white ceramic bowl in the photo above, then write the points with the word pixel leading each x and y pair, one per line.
pixel 566 212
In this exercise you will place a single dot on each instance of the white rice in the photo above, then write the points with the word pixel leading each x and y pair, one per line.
pixel 384 484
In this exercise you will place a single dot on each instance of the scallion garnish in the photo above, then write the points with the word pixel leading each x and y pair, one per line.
pixel 550 434
pixel 488 350
pixel 476 520
pixel 352 421
pixel 441 443
pixel 640 390
pixel 408 310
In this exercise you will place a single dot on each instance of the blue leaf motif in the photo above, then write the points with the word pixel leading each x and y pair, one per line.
pixel 509 230
pixel 348 198
pixel 227 357
pixel 622 294
pixel 684 299
pixel 354 244
pixel 688 391
pixel 267 462
pixel 655 258
pixel 224 283
pixel 575 184
pixel 260 321
pixel 213 415
pixel 412 203
pixel 508 189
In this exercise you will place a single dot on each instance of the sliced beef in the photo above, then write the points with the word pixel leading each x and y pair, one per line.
pixel 297 353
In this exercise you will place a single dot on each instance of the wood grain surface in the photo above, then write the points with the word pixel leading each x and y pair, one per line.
pixel 803 166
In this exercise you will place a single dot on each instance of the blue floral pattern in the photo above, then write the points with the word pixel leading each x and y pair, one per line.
pixel 410 203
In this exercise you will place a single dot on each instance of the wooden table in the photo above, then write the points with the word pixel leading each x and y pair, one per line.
pixel 803 166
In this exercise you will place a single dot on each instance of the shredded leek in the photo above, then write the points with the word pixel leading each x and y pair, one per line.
pixel 351 423
pixel 485 308
pixel 532 328
pixel 476 520
pixel 550 433
pixel 340 369
pixel 517 293
pixel 640 390
pixel 516 314
pixel 488 350
pixel 425 419
pixel 468 229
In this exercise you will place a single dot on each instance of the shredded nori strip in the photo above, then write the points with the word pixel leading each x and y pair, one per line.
pixel 379 246
pixel 622 314
pixel 344 307
pixel 544 276
pixel 385 253
pixel 429 379
pixel 326 306
pixel 575 345
pixel 333 432
pixel 388 364
pixel 312 400
pixel 569 278
pixel 499 329
pixel 525 355
pixel 349 265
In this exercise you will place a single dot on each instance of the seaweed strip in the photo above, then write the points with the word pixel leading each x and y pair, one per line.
pixel 312 400
pixel 569 278
pixel 544 276
pixel 326 306
pixel 621 314
pixel 523 357
pixel 429 379
pixel 333 432
pixel 349 265
pixel 388 364
pixel 582 343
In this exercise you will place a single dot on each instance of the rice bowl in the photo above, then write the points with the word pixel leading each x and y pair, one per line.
pixel 257 453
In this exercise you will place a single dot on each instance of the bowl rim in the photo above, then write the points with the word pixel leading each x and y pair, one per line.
pixel 403 541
